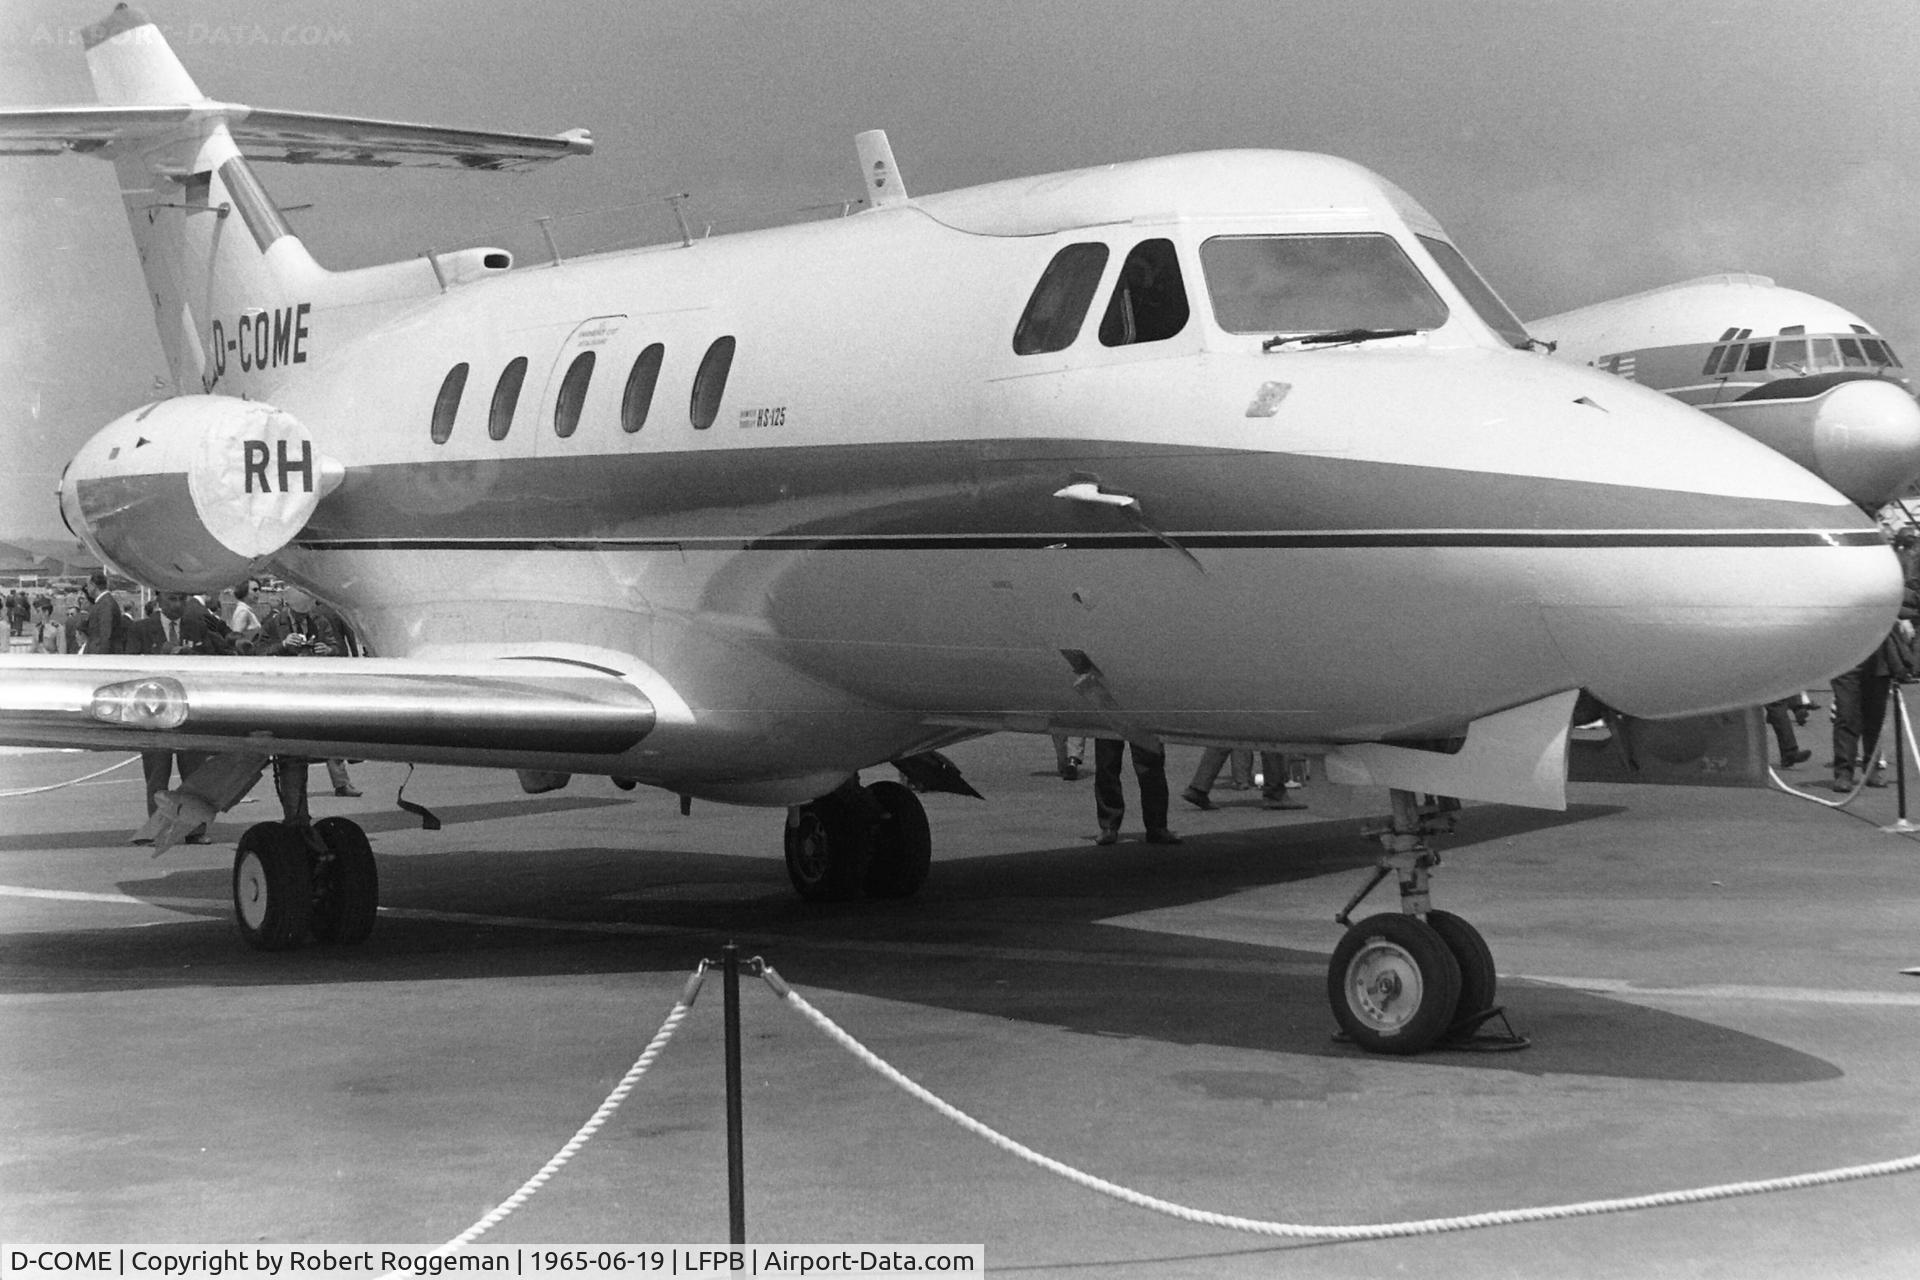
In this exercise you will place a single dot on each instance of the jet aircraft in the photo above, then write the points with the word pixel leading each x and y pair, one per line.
pixel 1795 372
pixel 1226 448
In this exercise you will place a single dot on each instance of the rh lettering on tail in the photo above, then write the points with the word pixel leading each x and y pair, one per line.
pixel 258 458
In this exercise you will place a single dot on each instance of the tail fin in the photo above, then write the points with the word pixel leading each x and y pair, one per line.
pixel 229 294
pixel 205 274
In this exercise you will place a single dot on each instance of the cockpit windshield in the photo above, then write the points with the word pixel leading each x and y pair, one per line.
pixel 1480 296
pixel 1316 284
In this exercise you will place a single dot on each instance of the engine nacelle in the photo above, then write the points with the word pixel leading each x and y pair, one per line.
pixel 197 492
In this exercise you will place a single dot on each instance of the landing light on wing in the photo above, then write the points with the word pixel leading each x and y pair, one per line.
pixel 156 702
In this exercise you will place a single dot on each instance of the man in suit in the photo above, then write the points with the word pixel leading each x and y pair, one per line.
pixel 107 623
pixel 166 632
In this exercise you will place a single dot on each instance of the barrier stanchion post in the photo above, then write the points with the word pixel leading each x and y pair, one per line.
pixel 736 1145
pixel 1901 825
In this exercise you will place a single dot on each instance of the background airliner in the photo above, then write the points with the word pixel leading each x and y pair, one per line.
pixel 1229 447
pixel 1797 373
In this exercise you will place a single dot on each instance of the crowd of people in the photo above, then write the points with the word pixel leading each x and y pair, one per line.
pixel 100 622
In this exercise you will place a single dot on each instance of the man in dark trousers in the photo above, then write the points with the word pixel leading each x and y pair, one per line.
pixel 166 631
pixel 1110 802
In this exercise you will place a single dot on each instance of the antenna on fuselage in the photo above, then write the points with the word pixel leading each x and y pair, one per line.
pixel 878 169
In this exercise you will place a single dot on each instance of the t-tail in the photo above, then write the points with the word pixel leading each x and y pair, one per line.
pixel 242 308
pixel 234 290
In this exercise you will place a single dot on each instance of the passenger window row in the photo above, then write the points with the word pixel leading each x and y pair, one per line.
pixel 703 407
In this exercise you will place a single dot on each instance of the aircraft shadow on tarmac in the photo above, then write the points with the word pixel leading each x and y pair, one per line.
pixel 372 823
pixel 1012 936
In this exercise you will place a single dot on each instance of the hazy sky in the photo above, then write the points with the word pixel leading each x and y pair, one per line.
pixel 1576 151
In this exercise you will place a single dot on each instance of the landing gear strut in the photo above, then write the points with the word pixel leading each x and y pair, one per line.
pixel 293 881
pixel 856 841
pixel 1400 982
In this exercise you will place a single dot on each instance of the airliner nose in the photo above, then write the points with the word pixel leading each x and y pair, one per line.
pixel 1866 438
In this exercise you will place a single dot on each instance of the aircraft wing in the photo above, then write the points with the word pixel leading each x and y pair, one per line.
pixel 451 712
pixel 293 137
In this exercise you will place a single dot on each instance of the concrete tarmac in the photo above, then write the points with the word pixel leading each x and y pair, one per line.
pixel 1711 980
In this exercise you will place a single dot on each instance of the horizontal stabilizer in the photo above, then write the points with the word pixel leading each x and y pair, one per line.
pixel 291 137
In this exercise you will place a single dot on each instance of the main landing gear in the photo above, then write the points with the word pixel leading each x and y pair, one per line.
pixel 859 841
pixel 1402 981
pixel 292 882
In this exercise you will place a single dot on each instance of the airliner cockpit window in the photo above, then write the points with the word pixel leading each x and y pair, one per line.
pixel 1879 352
pixel 1479 294
pixel 1317 284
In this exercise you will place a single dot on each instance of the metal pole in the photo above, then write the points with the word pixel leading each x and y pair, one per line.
pixel 1900 748
pixel 736 1147
pixel 1900 826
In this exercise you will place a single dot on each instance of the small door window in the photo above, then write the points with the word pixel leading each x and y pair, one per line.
pixel 573 395
pixel 710 383
pixel 506 394
pixel 446 405
pixel 638 397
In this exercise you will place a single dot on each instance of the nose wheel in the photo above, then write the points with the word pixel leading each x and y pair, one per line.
pixel 1406 981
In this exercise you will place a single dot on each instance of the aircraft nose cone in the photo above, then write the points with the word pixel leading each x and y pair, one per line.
pixel 1866 437
pixel 1697 630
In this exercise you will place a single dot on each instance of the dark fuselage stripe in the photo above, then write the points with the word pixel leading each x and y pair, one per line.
pixel 1042 541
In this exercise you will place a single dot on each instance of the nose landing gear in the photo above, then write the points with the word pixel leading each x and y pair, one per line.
pixel 1402 982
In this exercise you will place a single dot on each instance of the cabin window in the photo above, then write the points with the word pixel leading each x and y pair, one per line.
pixel 710 383
pixel 1850 354
pixel 638 397
pixel 1478 293
pixel 1879 352
pixel 1731 360
pixel 1316 284
pixel 446 405
pixel 1790 354
pixel 506 393
pixel 1059 303
pixel 573 395
pixel 1825 355
pixel 1757 353
pixel 1149 299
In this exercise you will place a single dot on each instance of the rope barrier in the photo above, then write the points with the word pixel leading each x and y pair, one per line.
pixel 600 1117
pixel 1299 1231
pixel 70 782
pixel 1865 773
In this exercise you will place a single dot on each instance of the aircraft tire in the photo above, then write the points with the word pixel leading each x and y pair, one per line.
pixel 1393 983
pixel 902 844
pixel 272 890
pixel 1478 981
pixel 346 884
pixel 827 850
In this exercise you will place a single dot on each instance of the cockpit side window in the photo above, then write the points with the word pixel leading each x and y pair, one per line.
pixel 1150 298
pixel 1059 303
pixel 1479 294
pixel 1316 284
